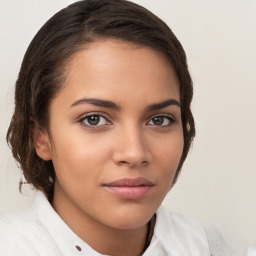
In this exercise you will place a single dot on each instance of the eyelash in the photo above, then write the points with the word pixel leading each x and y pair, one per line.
pixel 170 119
pixel 83 120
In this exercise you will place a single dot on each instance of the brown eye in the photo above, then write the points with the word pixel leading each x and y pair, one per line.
pixel 161 121
pixel 94 120
pixel 158 120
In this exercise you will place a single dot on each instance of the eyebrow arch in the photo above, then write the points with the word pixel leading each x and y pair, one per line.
pixel 163 104
pixel 96 102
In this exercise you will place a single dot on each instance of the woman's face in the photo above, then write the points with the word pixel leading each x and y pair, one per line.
pixel 116 134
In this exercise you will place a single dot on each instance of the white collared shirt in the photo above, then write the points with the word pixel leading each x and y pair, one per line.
pixel 39 231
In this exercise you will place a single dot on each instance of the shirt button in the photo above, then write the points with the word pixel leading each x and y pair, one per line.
pixel 78 248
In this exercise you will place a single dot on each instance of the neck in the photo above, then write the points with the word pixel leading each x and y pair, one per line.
pixel 102 238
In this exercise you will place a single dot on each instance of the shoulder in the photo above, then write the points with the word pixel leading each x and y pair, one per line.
pixel 23 234
pixel 182 223
pixel 182 234
pixel 16 224
pixel 217 243
pixel 18 218
pixel 187 234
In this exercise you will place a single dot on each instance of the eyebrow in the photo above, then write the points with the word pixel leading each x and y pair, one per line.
pixel 96 102
pixel 112 105
pixel 163 104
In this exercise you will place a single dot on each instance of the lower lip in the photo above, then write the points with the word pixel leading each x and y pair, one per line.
pixel 130 193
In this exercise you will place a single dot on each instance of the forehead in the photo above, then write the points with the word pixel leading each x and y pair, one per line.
pixel 113 69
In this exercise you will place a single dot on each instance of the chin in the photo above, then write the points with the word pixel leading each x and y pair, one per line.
pixel 130 223
pixel 130 218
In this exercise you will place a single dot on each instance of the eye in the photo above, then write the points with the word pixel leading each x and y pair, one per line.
pixel 161 120
pixel 94 120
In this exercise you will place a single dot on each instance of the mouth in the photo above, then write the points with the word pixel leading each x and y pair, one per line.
pixel 130 188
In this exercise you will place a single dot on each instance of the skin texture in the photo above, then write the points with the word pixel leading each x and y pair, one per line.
pixel 126 143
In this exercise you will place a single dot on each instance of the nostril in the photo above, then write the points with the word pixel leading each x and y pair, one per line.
pixel 133 164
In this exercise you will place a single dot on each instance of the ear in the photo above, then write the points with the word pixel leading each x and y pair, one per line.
pixel 41 142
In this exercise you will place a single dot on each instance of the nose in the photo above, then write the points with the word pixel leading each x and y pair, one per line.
pixel 131 148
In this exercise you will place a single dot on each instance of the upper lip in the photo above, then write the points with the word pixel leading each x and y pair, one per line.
pixel 130 182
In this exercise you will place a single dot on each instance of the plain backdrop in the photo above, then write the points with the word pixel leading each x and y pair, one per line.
pixel 217 184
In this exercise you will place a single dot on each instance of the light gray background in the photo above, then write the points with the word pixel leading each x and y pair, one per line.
pixel 217 185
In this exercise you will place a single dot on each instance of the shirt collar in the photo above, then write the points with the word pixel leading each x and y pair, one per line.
pixel 67 241
pixel 173 234
pixel 176 234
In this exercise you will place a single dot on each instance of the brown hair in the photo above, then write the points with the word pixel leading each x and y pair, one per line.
pixel 45 63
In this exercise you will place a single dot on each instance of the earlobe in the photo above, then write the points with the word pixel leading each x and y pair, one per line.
pixel 41 142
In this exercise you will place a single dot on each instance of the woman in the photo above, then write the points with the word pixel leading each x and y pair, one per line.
pixel 101 128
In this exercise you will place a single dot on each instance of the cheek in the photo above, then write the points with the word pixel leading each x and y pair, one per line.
pixel 75 171
pixel 166 160
pixel 77 158
pixel 169 155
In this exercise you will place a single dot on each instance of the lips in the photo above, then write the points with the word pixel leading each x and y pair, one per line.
pixel 130 188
